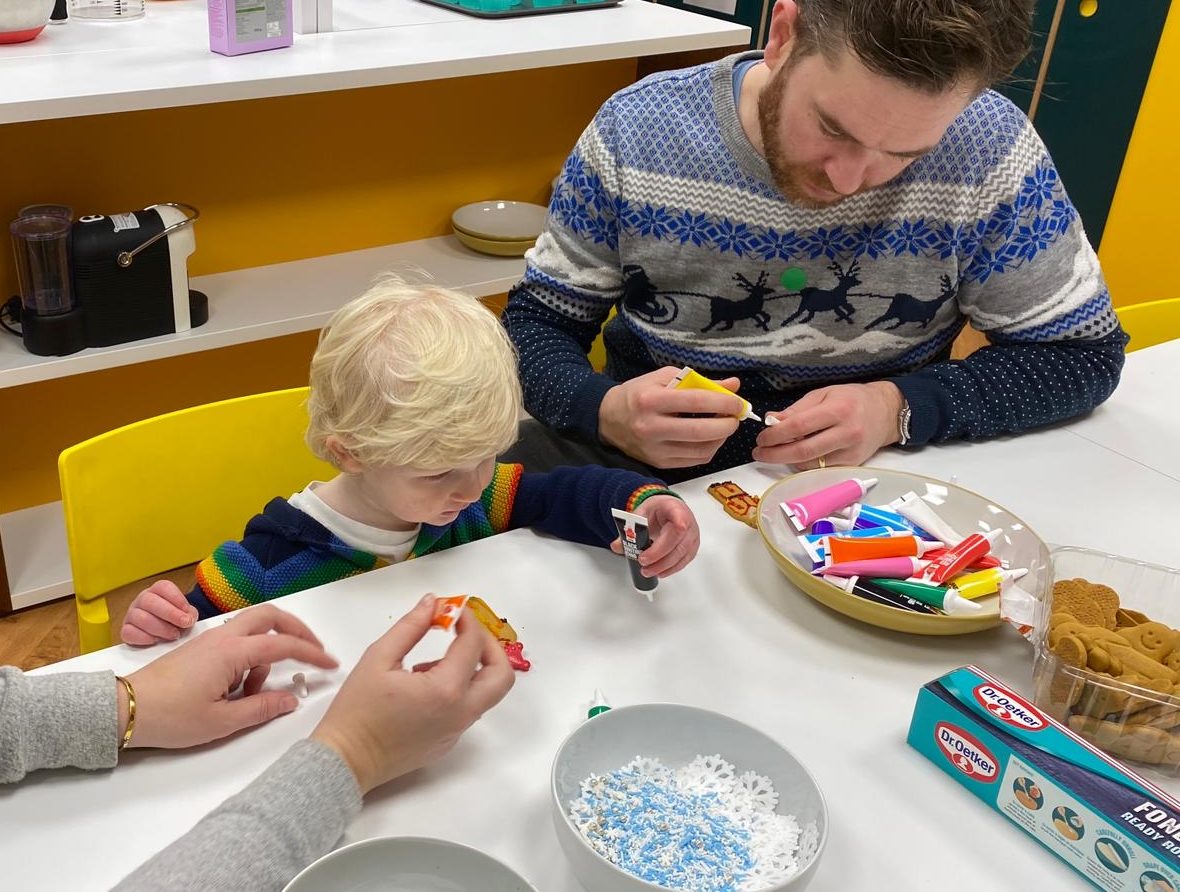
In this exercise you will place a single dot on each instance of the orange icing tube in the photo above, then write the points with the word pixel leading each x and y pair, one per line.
pixel 840 549
pixel 447 610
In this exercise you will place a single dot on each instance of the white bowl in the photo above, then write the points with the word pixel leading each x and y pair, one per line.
pixel 505 221
pixel 22 20
pixel 407 864
pixel 676 735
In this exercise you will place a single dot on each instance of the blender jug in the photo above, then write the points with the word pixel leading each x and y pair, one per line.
pixel 51 323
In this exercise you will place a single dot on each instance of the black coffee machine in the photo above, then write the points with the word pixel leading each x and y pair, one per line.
pixel 105 279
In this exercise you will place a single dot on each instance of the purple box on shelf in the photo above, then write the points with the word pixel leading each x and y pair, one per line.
pixel 247 26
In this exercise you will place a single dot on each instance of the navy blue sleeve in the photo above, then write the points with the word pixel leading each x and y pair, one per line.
pixel 575 503
pixel 1010 387
pixel 561 389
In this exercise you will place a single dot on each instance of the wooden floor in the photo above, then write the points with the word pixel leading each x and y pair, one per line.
pixel 47 633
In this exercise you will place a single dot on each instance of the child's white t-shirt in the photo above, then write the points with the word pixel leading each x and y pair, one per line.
pixel 392 545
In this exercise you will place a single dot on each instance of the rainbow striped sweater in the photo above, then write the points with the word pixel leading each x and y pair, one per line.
pixel 285 551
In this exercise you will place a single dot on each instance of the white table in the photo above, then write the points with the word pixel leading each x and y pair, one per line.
pixel 728 634
pixel 1142 422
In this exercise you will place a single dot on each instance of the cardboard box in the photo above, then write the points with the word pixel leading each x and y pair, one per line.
pixel 247 26
pixel 1115 828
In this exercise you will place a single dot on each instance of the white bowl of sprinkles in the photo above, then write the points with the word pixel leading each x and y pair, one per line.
pixel 664 796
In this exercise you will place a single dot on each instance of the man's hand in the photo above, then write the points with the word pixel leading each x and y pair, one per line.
pixel 845 425
pixel 645 419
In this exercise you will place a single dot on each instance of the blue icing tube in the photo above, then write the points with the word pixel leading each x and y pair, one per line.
pixel 871 515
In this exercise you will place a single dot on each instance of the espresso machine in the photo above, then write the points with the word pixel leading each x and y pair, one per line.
pixel 105 279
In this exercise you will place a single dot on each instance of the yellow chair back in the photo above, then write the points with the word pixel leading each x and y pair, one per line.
pixel 1150 323
pixel 163 492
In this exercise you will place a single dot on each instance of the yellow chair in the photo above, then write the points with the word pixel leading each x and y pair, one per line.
pixel 163 492
pixel 1151 323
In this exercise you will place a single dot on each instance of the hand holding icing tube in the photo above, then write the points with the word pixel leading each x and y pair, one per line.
pixel 803 511
pixel 959 558
pixel 688 379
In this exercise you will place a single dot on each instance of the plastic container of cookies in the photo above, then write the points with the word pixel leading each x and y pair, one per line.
pixel 1113 675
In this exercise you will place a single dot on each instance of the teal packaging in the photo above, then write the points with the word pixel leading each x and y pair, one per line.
pixel 1115 828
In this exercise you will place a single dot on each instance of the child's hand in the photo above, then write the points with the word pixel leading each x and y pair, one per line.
pixel 158 613
pixel 675 536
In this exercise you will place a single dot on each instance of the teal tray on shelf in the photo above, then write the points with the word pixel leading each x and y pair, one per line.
pixel 499 9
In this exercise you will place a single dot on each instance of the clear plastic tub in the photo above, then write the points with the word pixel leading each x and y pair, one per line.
pixel 1129 721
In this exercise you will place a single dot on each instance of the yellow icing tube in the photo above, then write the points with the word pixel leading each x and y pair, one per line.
pixel 688 379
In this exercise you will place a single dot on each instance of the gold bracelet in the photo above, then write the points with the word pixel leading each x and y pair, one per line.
pixel 130 711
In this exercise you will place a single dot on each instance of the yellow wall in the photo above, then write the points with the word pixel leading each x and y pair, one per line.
pixel 275 179
pixel 1142 230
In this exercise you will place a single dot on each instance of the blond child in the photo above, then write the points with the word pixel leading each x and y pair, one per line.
pixel 414 391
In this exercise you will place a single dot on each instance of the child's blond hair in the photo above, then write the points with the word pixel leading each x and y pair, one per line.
pixel 414 375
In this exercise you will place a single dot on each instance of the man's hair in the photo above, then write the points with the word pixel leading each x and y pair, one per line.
pixel 414 375
pixel 929 45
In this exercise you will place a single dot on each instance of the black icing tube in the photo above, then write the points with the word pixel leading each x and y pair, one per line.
pixel 633 534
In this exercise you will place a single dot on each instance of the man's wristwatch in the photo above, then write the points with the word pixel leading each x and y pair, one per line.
pixel 903 423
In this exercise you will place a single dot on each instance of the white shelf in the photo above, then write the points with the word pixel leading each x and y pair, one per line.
pixel 163 60
pixel 37 555
pixel 270 301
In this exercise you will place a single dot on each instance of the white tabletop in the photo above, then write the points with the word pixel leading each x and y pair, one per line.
pixel 729 634
pixel 1143 421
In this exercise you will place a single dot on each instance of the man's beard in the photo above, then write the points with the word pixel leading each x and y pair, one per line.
pixel 789 176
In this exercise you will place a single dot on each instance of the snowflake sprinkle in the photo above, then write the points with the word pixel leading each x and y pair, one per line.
pixel 699 827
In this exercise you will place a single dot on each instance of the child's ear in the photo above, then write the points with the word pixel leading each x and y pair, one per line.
pixel 341 456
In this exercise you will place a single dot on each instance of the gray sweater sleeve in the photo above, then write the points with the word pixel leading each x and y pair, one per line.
pixel 259 839
pixel 53 721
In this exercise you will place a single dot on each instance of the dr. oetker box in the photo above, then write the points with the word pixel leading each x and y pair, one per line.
pixel 1112 826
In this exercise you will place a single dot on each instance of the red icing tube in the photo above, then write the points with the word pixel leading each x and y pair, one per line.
pixel 955 560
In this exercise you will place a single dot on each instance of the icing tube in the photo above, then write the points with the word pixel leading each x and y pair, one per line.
pixel 948 600
pixel 913 509
pixel 843 549
pixel 854 585
pixel 886 568
pixel 872 515
pixel 688 379
pixel 959 558
pixel 822 528
pixel 985 582
pixel 987 562
pixel 814 545
pixel 804 510
pixel 633 534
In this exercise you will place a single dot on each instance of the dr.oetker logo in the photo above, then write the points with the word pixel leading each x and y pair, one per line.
pixel 1010 708
pixel 966 753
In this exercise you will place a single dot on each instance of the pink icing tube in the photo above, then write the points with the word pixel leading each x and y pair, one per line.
pixel 805 510
pixel 881 568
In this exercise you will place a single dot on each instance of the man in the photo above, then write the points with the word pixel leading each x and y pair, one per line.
pixel 814 224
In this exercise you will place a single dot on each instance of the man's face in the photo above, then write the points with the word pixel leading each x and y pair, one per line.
pixel 831 129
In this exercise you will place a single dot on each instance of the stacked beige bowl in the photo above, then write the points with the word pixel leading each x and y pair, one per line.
pixel 502 228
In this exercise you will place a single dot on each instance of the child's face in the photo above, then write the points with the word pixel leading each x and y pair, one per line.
pixel 415 495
